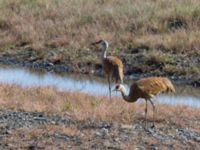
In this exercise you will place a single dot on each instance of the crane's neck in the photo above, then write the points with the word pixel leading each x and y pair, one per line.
pixel 127 98
pixel 104 52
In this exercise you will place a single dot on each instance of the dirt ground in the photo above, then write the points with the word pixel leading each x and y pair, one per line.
pixel 34 130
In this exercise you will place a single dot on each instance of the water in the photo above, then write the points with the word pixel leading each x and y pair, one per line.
pixel 185 95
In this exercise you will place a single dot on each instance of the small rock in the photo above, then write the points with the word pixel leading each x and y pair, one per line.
pixel 197 139
pixel 116 140
pixel 98 133
pixel 126 126
pixel 104 132
pixel 137 126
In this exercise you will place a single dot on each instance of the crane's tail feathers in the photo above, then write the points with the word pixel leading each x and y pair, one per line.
pixel 118 74
pixel 169 86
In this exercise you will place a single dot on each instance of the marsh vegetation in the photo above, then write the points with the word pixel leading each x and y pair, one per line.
pixel 151 37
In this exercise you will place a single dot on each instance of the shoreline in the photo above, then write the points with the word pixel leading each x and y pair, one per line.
pixel 63 67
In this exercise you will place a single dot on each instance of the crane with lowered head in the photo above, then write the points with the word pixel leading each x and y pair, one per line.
pixel 112 66
pixel 146 88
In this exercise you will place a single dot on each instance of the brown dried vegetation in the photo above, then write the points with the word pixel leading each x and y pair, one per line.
pixel 67 27
pixel 83 107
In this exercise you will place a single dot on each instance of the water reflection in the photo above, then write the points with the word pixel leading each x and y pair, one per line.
pixel 27 78
pixel 186 95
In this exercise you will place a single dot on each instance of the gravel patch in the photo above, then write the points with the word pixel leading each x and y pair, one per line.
pixel 27 130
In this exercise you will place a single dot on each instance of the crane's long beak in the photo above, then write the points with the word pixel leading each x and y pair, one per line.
pixel 95 43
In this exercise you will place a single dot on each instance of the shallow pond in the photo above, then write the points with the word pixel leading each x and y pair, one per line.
pixel 186 95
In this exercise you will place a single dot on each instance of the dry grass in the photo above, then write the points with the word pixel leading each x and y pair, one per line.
pixel 73 24
pixel 169 29
pixel 82 106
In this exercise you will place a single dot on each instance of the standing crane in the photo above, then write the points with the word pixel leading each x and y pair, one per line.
pixel 112 66
pixel 146 88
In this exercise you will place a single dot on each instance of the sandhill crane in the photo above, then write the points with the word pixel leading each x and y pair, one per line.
pixel 146 88
pixel 112 66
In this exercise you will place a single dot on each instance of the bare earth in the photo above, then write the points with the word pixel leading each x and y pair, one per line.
pixel 34 130
pixel 44 118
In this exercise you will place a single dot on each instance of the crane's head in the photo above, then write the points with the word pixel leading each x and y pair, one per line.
pixel 102 43
pixel 119 87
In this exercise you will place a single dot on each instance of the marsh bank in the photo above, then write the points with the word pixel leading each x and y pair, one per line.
pixel 138 62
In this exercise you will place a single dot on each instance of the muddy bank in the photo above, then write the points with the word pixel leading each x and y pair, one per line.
pixel 136 64
pixel 35 130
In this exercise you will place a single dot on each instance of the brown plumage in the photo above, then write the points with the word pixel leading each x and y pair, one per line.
pixel 112 66
pixel 146 88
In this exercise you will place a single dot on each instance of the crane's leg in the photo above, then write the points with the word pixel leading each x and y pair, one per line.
pixel 146 114
pixel 153 111
pixel 109 82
